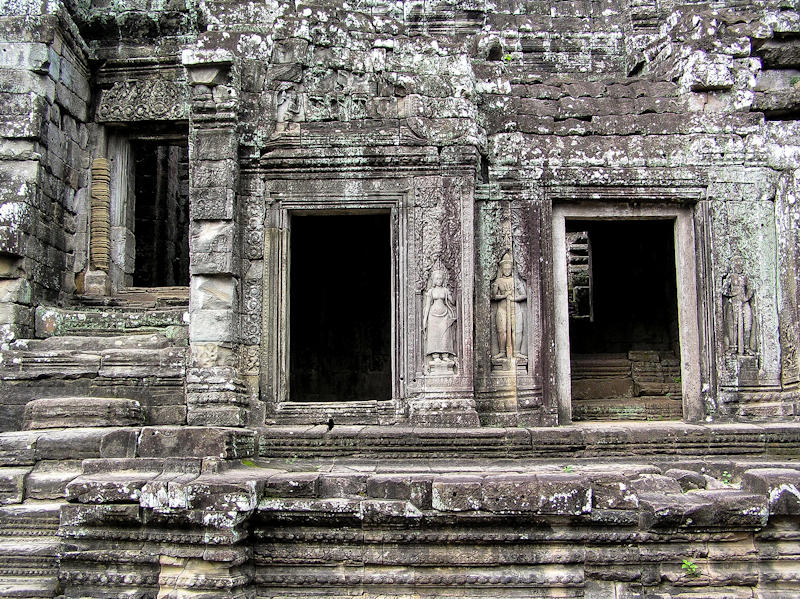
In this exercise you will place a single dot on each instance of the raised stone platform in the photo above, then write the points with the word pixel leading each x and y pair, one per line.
pixel 586 511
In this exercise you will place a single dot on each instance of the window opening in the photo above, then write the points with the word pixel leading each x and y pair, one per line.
pixel 161 214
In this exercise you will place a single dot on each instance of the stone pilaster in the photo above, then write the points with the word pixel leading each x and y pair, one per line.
pixel 215 393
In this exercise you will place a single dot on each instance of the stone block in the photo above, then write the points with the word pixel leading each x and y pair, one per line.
pixel 602 388
pixel 123 249
pixel 24 55
pixel 18 448
pixel 123 486
pixel 655 483
pixel 781 487
pixel 70 412
pixel 16 314
pixel 687 479
pixel 12 241
pixel 415 488
pixel 212 203
pixel 560 494
pixel 457 493
pixel 78 443
pixel 387 511
pixel 214 148
pixel 74 517
pixel 17 291
pixel 732 508
pixel 613 492
pixel 212 248
pixel 207 172
pixel 227 492
pixel 171 414
pixel 12 481
pixel 196 441
pixel 292 484
pixel 213 326
pixel 708 72
pixel 213 293
pixel 48 480
pixel 349 484
pixel 120 443
pixel 217 415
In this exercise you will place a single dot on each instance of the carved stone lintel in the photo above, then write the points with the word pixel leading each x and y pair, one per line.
pixel 146 100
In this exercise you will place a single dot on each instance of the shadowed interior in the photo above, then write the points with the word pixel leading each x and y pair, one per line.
pixel 340 307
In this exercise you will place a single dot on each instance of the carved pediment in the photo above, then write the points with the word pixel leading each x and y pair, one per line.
pixel 147 100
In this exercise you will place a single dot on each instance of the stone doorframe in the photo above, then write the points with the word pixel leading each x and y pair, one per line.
pixel 275 373
pixel 686 282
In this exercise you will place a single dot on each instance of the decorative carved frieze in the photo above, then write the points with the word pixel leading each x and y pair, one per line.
pixel 146 100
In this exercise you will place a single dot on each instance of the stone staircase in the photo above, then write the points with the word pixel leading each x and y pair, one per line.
pixel 134 350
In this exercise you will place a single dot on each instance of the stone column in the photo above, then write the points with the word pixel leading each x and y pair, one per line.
pixel 510 364
pixel 787 217
pixel 215 392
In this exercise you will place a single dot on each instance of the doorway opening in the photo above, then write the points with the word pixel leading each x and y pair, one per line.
pixel 161 214
pixel 340 302
pixel 623 320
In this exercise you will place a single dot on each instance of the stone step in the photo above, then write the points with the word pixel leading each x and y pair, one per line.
pixel 24 587
pixel 32 519
pixel 108 321
pixel 75 356
pixel 136 297
pixel 580 440
pixel 71 412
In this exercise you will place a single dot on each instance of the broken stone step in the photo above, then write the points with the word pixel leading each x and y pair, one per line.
pixel 73 412
pixel 59 322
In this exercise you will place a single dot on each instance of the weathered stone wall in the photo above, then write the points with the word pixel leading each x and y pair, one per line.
pixel 46 94
pixel 478 121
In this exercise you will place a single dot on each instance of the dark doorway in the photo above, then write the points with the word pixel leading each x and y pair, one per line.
pixel 624 348
pixel 340 308
pixel 161 214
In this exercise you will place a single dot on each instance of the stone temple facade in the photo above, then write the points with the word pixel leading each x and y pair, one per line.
pixel 399 299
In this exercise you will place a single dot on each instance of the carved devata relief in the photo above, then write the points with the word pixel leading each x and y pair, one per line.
pixel 438 323
pixel 438 271
pixel 509 296
pixel 737 312
pixel 149 99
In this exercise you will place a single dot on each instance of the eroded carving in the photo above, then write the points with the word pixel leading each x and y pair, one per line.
pixel 509 304
pixel 147 100
pixel 438 323
pixel 737 311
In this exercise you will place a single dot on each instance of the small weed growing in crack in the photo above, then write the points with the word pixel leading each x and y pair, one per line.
pixel 690 567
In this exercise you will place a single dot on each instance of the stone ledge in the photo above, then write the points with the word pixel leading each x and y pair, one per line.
pixel 600 439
